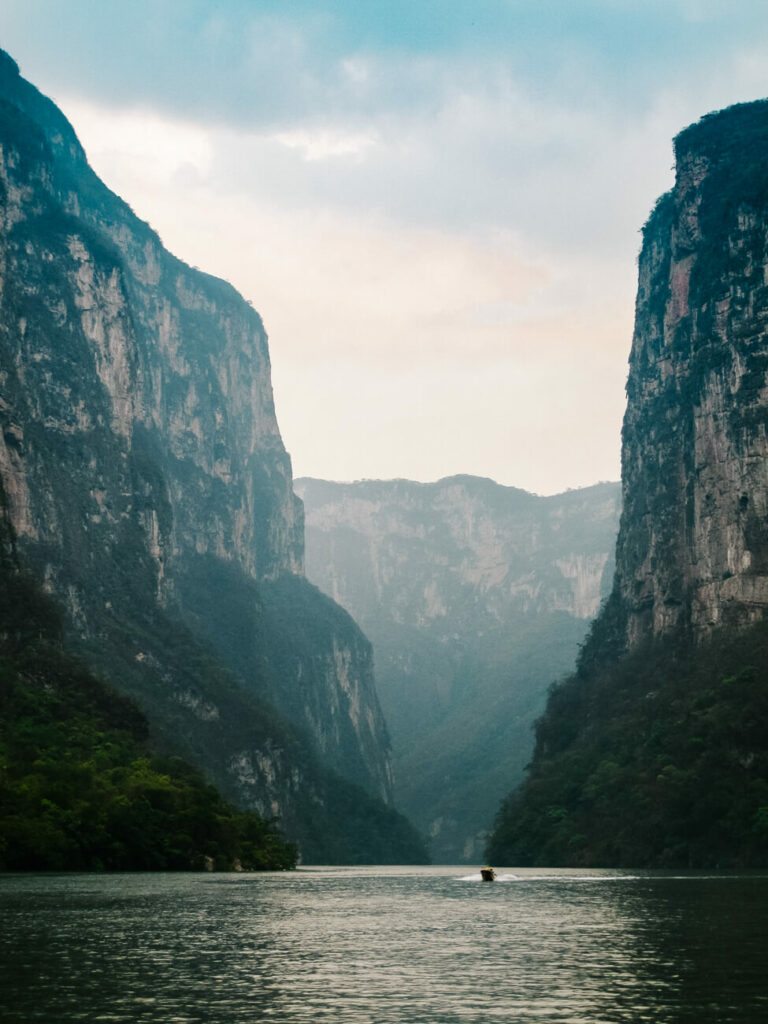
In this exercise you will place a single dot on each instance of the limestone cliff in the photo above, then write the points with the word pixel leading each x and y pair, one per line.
pixel 475 597
pixel 655 752
pixel 464 548
pixel 693 547
pixel 146 480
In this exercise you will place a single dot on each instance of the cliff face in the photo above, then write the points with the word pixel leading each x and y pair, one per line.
pixel 109 341
pixel 475 597
pixel 146 480
pixel 464 551
pixel 693 548
pixel 654 752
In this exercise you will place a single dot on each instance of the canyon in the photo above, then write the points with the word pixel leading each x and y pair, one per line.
pixel 475 597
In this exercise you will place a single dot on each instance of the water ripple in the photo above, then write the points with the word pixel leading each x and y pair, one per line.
pixel 383 945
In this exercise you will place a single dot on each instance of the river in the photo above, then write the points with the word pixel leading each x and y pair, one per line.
pixel 401 945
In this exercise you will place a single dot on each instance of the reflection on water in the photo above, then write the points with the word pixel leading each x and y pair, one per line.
pixel 384 945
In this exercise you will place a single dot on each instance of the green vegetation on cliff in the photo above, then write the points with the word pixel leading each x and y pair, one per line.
pixel 654 752
pixel 226 697
pixel 659 759
pixel 83 788
pixel 148 486
pixel 79 788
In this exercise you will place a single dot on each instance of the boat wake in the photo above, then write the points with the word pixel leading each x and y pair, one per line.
pixel 477 877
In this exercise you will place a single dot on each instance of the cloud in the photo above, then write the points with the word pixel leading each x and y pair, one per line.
pixel 326 143
pixel 280 63
pixel 139 145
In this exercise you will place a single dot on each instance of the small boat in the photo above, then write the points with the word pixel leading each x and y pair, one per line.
pixel 488 874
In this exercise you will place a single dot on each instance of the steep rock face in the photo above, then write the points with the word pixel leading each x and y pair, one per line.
pixel 146 480
pixel 475 597
pixel 147 352
pixel 653 753
pixel 463 550
pixel 693 549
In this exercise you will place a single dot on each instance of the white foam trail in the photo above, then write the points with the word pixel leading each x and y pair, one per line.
pixel 582 878
pixel 478 878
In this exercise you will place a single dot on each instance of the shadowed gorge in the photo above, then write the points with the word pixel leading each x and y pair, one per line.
pixel 475 597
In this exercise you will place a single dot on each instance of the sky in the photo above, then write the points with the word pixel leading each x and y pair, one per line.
pixel 435 206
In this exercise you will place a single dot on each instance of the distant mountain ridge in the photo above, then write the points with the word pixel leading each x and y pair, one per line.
pixel 475 597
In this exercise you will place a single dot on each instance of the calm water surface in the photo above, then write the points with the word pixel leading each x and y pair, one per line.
pixel 384 945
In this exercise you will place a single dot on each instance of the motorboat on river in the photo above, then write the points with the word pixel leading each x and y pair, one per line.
pixel 488 874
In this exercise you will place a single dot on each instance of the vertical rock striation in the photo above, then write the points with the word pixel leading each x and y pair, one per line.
pixel 146 481
pixel 108 339
pixel 654 752
pixel 693 545
pixel 462 553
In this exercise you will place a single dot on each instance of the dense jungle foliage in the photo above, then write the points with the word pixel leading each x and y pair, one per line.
pixel 333 820
pixel 657 760
pixel 79 788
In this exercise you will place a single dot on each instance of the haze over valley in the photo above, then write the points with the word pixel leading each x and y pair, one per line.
pixel 475 598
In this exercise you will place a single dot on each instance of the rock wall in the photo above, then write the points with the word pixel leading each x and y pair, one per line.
pixel 144 474
pixel 693 546
pixel 463 551
pixel 651 754
pixel 105 332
